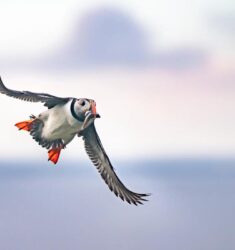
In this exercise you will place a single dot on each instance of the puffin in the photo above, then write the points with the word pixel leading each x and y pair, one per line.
pixel 64 119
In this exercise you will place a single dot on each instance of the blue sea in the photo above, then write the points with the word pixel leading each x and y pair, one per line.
pixel 69 206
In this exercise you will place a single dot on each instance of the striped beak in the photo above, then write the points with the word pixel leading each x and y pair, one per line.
pixel 93 108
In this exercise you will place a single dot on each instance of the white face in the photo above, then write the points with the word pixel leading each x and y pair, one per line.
pixel 82 105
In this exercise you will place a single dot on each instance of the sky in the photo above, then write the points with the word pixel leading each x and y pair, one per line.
pixel 169 24
pixel 70 207
pixel 162 74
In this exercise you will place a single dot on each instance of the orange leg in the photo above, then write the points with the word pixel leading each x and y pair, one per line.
pixel 26 125
pixel 54 154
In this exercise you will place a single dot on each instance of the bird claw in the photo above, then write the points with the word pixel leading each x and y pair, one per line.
pixel 25 125
pixel 54 154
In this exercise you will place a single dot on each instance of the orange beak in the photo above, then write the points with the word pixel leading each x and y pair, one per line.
pixel 93 107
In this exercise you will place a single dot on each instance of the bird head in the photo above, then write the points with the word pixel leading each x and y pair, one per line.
pixel 82 108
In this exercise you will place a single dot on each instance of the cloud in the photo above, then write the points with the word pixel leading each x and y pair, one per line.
pixel 223 23
pixel 181 58
pixel 104 36
pixel 110 37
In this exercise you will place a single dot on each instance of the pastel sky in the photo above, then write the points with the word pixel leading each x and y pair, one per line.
pixel 39 26
pixel 179 101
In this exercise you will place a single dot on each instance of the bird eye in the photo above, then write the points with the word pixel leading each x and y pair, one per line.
pixel 83 103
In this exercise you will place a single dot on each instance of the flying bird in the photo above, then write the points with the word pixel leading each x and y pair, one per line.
pixel 64 119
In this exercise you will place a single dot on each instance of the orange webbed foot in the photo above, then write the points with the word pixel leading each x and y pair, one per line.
pixel 25 125
pixel 54 154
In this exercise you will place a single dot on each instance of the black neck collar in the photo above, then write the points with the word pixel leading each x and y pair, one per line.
pixel 74 113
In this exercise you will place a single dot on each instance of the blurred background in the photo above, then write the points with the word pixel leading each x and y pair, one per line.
pixel 163 77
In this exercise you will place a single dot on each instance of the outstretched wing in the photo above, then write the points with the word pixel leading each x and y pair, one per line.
pixel 100 159
pixel 49 100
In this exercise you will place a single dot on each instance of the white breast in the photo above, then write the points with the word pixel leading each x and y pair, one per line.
pixel 59 123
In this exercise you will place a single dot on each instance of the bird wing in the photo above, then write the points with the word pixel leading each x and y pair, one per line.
pixel 100 159
pixel 49 100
